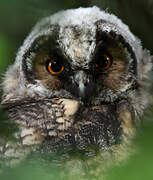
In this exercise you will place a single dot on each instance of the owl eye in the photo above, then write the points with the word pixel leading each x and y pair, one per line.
pixel 54 67
pixel 104 62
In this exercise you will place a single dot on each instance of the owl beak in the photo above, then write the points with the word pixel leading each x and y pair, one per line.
pixel 81 80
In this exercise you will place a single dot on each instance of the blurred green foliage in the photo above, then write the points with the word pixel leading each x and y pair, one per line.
pixel 6 53
pixel 16 19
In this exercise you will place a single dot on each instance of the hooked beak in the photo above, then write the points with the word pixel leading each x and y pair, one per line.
pixel 81 79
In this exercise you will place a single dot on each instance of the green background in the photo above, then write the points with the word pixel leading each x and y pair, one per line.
pixel 17 17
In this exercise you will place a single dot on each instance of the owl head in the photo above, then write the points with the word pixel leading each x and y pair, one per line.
pixel 86 56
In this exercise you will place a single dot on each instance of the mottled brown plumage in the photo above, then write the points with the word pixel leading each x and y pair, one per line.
pixel 81 80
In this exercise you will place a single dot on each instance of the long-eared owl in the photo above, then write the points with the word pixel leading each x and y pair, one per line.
pixel 80 79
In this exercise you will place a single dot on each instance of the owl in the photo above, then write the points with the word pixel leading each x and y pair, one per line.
pixel 80 80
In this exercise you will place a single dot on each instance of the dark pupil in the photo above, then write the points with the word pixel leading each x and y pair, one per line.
pixel 102 62
pixel 56 66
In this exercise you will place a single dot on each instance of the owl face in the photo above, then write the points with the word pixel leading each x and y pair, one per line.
pixel 84 64
pixel 81 77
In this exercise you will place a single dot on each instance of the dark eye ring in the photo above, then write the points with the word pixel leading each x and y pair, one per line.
pixel 104 62
pixel 54 67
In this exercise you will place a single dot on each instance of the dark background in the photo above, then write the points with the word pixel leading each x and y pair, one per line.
pixel 17 17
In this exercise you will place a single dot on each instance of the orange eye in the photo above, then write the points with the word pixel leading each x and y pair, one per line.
pixel 54 67
pixel 104 62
